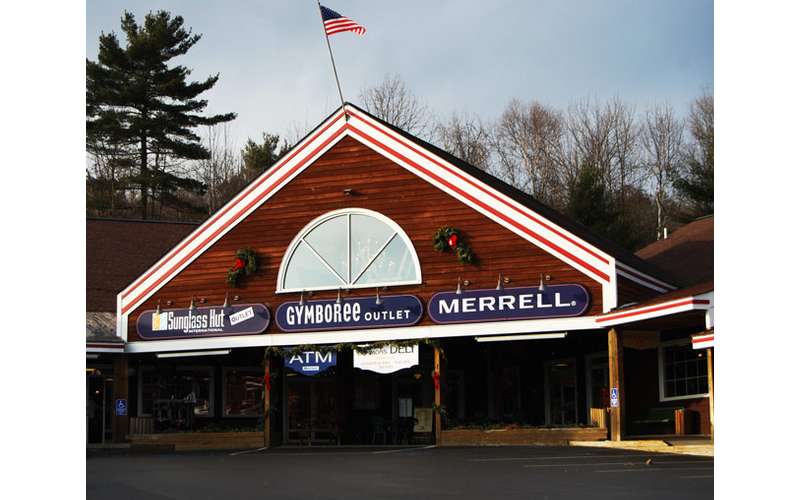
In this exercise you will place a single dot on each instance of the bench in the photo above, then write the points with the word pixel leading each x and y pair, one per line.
pixel 674 417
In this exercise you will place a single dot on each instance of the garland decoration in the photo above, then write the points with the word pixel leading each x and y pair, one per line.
pixel 361 348
pixel 449 238
pixel 245 264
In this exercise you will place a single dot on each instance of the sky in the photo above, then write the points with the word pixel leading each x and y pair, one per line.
pixel 457 56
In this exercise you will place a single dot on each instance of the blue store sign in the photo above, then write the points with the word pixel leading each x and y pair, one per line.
pixel 361 312
pixel 556 301
pixel 310 362
pixel 239 319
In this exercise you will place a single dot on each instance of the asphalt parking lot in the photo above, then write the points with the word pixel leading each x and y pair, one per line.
pixel 462 473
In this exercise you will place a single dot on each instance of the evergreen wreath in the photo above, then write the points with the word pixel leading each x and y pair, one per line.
pixel 245 264
pixel 449 238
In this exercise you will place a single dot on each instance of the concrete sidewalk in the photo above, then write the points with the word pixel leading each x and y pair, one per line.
pixel 695 447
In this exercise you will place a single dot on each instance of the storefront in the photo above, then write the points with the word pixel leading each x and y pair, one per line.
pixel 380 291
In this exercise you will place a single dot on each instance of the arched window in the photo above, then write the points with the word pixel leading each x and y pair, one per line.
pixel 351 248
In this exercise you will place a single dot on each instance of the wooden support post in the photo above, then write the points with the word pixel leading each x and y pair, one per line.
pixel 616 381
pixel 119 424
pixel 267 392
pixel 710 389
pixel 437 396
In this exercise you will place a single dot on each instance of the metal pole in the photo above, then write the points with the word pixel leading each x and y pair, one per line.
pixel 333 63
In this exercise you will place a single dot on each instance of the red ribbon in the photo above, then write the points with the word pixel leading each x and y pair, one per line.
pixel 436 380
pixel 267 383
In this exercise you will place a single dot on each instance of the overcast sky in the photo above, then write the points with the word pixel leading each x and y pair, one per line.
pixel 464 55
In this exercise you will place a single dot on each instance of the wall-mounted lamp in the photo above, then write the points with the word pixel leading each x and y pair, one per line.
pixel 541 283
pixel 499 282
pixel 169 303
pixel 202 300
pixel 458 287
pixel 158 307
pixel 302 298
pixel 347 191
pixel 378 300
pixel 339 296
pixel 191 304
pixel 226 304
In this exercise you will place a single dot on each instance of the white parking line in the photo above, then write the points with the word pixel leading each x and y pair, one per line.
pixel 404 449
pixel 528 459
pixel 654 469
pixel 597 464
pixel 697 477
pixel 246 451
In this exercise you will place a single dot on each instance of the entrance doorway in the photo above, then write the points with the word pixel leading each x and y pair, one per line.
pixel 98 406
pixel 561 392
pixel 310 410
pixel 597 395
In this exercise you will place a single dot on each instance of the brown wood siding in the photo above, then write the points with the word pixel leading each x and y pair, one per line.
pixel 379 185
pixel 629 291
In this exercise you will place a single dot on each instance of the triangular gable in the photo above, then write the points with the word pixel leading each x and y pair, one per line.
pixel 353 122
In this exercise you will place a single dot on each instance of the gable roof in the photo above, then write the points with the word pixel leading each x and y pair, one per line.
pixel 687 253
pixel 499 202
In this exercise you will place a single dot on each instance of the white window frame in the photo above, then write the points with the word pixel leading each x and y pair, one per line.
pixel 247 369
pixel 661 391
pixel 211 380
pixel 300 239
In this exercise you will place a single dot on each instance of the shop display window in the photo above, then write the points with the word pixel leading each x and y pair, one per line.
pixel 163 387
pixel 243 392
pixel 683 372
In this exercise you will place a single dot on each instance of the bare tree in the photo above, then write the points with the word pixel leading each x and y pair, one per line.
pixel 528 140
pixel 221 172
pixel 392 101
pixel 465 137
pixel 663 146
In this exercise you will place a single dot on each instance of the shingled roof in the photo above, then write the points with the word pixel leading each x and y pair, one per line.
pixel 687 253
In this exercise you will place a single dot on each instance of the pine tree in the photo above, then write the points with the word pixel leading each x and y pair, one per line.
pixel 147 109
pixel 258 157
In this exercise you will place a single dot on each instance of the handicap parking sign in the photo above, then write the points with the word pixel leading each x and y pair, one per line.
pixel 614 397
pixel 121 407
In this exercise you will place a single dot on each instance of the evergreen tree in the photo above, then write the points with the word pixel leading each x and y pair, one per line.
pixel 147 109
pixel 258 157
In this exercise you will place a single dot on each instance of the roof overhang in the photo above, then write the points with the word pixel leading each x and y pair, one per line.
pixel 634 314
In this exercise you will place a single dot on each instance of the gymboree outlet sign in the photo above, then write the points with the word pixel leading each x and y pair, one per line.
pixel 555 301
pixel 239 319
pixel 351 313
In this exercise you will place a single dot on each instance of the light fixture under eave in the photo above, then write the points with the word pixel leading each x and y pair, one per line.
pixel 532 336
pixel 158 307
pixel 227 303
pixel 302 298
pixel 458 288
pixel 191 304
pixel 378 300
pixel 192 353
pixel 339 296
pixel 541 282
pixel 499 282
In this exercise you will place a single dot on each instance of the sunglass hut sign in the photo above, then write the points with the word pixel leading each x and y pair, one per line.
pixel 241 319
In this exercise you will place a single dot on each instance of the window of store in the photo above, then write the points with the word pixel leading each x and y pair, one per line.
pixel 351 248
pixel 242 392
pixel 165 387
pixel 683 371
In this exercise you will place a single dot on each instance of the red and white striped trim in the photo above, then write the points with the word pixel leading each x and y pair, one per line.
pixel 495 205
pixel 703 341
pixel 630 273
pixel 653 311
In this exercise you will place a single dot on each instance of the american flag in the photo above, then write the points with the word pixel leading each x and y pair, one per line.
pixel 337 23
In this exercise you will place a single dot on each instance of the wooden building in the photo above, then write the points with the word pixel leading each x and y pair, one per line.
pixel 489 309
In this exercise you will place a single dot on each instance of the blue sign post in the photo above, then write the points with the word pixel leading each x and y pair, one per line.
pixel 555 301
pixel 121 407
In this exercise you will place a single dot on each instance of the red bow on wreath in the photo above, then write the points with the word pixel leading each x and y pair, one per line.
pixel 436 380
pixel 267 382
pixel 239 264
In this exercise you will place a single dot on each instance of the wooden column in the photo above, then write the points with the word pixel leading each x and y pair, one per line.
pixel 616 379
pixel 710 389
pixel 437 396
pixel 267 392
pixel 119 424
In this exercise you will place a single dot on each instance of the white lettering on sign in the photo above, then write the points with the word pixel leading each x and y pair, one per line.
pixel 388 359
pixel 501 303
pixel 242 315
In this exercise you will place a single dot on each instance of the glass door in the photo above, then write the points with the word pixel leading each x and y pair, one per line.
pixel 597 394
pixel 310 410
pixel 561 392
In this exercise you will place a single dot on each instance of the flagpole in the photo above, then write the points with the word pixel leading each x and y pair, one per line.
pixel 333 63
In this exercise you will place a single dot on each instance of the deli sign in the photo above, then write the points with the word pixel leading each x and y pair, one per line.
pixel 239 319
pixel 350 313
pixel 556 301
